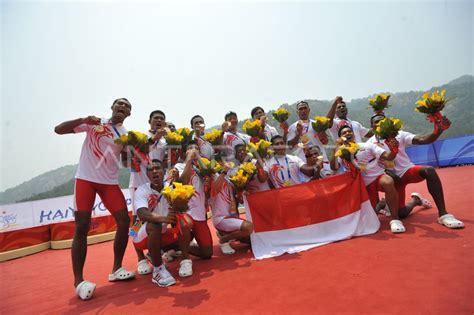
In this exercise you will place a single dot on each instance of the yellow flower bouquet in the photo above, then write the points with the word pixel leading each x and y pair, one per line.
pixel 347 151
pixel 388 128
pixel 186 133
pixel 281 114
pixel 379 103
pixel 174 138
pixel 178 196
pixel 137 139
pixel 208 168
pixel 320 125
pixel 252 128
pixel 213 136
pixel 261 149
pixel 244 174
pixel 432 106
pixel 240 179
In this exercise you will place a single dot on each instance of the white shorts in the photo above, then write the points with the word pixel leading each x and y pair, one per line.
pixel 229 224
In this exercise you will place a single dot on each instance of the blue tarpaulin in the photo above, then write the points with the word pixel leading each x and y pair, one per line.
pixel 447 152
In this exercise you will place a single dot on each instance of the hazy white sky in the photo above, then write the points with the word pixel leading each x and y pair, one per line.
pixel 66 60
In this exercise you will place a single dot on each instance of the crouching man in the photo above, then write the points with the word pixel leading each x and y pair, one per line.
pixel 154 234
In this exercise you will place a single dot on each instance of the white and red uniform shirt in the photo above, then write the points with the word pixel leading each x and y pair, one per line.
pixel 359 130
pixel 311 137
pixel 205 148
pixel 157 152
pixel 285 170
pixel 231 139
pixel 368 160
pixel 197 204
pixel 402 160
pixel 222 201
pixel 269 132
pixel 147 197
pixel 100 156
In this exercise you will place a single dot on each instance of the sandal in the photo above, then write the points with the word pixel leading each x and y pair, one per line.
pixel 143 268
pixel 424 202
pixel 186 268
pixel 121 274
pixel 397 226
pixel 85 290
pixel 226 249
pixel 450 221
pixel 170 255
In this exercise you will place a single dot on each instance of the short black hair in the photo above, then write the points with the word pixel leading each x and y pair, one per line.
pixel 194 117
pixel 154 161
pixel 375 116
pixel 342 128
pixel 254 110
pixel 275 138
pixel 122 98
pixel 301 103
pixel 238 145
pixel 186 144
pixel 156 112
pixel 229 114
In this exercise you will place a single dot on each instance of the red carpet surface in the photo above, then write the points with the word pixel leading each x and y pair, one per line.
pixel 427 270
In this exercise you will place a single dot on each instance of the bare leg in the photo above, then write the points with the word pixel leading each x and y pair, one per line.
pixel 245 230
pixel 405 212
pixel 121 237
pixel 391 195
pixel 434 187
pixel 153 231
pixel 79 244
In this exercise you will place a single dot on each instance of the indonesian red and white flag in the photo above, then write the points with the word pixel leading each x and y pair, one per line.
pixel 300 217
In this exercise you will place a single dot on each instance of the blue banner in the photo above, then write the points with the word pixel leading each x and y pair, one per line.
pixel 447 152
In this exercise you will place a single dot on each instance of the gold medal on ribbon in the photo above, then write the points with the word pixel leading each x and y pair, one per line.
pixel 287 183
pixel 305 139
pixel 99 129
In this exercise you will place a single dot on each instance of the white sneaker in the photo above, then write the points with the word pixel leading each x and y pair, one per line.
pixel 162 277
pixel 226 249
pixel 186 268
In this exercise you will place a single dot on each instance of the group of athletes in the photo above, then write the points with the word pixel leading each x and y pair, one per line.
pixel 299 155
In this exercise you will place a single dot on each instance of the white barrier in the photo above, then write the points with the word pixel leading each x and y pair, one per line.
pixel 30 214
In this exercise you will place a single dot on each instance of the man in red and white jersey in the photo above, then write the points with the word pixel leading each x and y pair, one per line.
pixel 368 159
pixel 97 173
pixel 268 132
pixel 154 235
pixel 138 175
pixel 205 148
pixel 225 215
pixel 301 134
pixel 286 170
pixel 231 136
pixel 339 109
pixel 410 173
pixel 197 205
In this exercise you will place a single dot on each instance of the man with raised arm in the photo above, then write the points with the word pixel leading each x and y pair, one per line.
pixel 97 173
pixel 339 109
pixel 301 134
pixel 411 173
